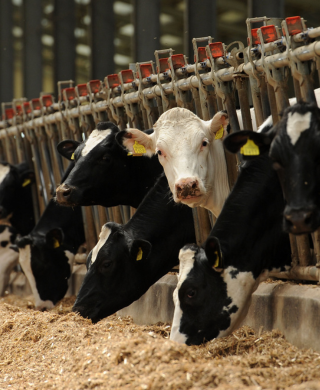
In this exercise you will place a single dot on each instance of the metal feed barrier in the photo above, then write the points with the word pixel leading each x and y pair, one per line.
pixel 222 77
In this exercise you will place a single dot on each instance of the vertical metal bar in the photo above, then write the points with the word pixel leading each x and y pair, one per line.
pixel 6 49
pixel 273 104
pixel 266 109
pixel 200 20
pixel 269 8
pixel 64 41
pixel 32 49
pixel 102 37
pixel 147 29
pixel 242 88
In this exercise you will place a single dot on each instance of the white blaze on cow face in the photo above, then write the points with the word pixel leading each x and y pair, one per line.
pixel 186 259
pixel 297 124
pixel 4 170
pixel 94 139
pixel 25 262
pixel 8 259
pixel 193 160
pixel 103 237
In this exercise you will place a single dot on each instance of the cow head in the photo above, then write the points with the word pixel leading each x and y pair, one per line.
pixel 293 146
pixel 114 273
pixel 14 181
pixel 189 152
pixel 47 263
pixel 210 299
pixel 8 256
pixel 103 173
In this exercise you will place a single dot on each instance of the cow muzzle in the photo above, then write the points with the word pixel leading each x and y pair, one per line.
pixel 300 221
pixel 63 193
pixel 187 189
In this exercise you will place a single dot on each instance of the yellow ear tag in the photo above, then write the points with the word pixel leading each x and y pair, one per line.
pixel 56 243
pixel 216 264
pixel 219 133
pixel 139 255
pixel 72 156
pixel 139 150
pixel 250 149
pixel 26 182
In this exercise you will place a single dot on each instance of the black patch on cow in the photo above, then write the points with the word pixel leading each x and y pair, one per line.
pixel 3 228
pixel 121 274
pixel 4 243
pixel 234 273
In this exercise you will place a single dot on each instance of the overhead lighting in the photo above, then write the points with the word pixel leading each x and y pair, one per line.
pixel 128 30
pixel 122 60
pixel 47 40
pixel 79 32
pixel 170 40
pixel 17 32
pixel 121 8
pixel 48 9
pixel 232 17
pixel 83 50
pixel 166 19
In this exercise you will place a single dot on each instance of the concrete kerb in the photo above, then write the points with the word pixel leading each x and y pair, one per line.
pixel 291 308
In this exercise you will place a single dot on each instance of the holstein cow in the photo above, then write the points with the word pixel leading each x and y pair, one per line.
pixel 16 205
pixel 128 259
pixel 215 283
pixel 104 174
pixel 47 253
pixel 294 145
pixel 8 256
pixel 191 153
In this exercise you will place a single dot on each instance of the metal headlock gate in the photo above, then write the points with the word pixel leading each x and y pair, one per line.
pixel 222 77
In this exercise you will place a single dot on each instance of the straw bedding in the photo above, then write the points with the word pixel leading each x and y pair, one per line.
pixel 59 349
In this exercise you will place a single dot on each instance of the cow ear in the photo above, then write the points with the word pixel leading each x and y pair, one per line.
pixel 136 142
pixel 140 250
pixel 249 143
pixel 54 238
pixel 214 253
pixel 219 124
pixel 27 178
pixel 67 148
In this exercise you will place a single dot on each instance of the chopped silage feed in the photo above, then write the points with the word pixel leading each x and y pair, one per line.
pixel 59 349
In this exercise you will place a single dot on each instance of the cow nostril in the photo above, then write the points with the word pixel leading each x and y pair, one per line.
pixel 179 188
pixel 194 186
pixel 66 192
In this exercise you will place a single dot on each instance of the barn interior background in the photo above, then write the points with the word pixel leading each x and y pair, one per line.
pixel 44 41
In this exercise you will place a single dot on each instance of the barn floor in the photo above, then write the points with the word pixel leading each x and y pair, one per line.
pixel 59 349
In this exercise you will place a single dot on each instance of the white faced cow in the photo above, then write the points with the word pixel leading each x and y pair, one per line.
pixel 192 158
pixel 8 256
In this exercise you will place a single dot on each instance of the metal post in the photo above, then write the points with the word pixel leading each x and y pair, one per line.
pixel 32 48
pixel 64 40
pixel 6 51
pixel 147 29
pixel 102 37
pixel 200 21
pixel 270 8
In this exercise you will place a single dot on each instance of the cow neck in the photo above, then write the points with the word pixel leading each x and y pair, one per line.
pixel 166 225
pixel 263 240
pixel 144 173
pixel 217 172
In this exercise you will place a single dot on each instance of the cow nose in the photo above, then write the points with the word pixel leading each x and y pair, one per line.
pixel 187 188
pixel 298 221
pixel 63 193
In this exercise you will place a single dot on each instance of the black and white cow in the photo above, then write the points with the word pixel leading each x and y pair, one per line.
pixel 104 174
pixel 294 145
pixel 46 254
pixel 16 205
pixel 128 259
pixel 215 283
pixel 8 256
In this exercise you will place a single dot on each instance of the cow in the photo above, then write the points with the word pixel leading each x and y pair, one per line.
pixel 8 256
pixel 16 206
pixel 46 254
pixel 104 174
pixel 216 281
pixel 293 145
pixel 128 259
pixel 191 153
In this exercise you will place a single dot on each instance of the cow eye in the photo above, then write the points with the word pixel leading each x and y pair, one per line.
pixel 106 158
pixel 191 293
pixel 204 143
pixel 159 152
pixel 106 265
